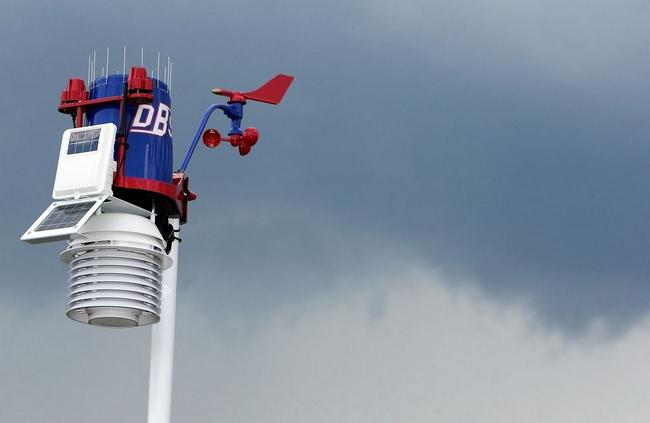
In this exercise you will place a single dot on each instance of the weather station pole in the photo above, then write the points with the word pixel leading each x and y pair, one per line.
pixel 161 365
pixel 120 205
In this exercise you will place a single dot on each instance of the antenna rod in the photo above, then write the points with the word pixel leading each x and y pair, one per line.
pixel 108 50
pixel 168 67
pixel 158 70
pixel 124 65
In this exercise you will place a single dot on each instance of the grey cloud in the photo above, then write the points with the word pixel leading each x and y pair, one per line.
pixel 431 353
pixel 502 144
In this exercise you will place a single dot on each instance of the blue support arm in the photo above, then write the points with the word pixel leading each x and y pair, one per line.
pixel 197 135
pixel 233 111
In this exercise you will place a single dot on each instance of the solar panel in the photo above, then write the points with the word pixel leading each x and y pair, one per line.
pixel 62 219
pixel 65 216
pixel 83 141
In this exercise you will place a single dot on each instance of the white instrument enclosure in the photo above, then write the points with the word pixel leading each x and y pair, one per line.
pixel 86 162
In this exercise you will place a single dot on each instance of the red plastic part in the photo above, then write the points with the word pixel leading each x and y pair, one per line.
pixel 244 149
pixel 234 140
pixel 74 91
pixel 211 138
pixel 139 81
pixel 250 137
pixel 271 92
pixel 133 97
pixel 178 191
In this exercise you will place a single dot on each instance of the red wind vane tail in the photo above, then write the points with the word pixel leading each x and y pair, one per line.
pixel 271 92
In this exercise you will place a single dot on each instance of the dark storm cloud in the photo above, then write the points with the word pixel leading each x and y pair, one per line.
pixel 507 144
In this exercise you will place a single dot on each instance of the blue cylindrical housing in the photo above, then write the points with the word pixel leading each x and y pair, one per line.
pixel 149 153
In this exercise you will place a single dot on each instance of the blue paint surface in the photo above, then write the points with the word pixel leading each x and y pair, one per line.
pixel 149 154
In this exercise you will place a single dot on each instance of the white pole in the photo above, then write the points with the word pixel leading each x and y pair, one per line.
pixel 162 344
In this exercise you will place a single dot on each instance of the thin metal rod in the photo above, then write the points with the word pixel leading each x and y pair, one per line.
pixel 171 67
pixel 158 70
pixel 124 64
pixel 108 50
pixel 88 79
pixel 162 343
pixel 142 57
pixel 94 68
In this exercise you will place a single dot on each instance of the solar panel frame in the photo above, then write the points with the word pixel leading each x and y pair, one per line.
pixel 62 219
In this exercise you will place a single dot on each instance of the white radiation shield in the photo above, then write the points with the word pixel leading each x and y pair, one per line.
pixel 116 270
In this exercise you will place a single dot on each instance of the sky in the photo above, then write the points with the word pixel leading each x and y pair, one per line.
pixel 445 219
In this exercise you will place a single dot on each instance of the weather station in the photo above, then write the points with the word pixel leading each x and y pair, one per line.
pixel 119 202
